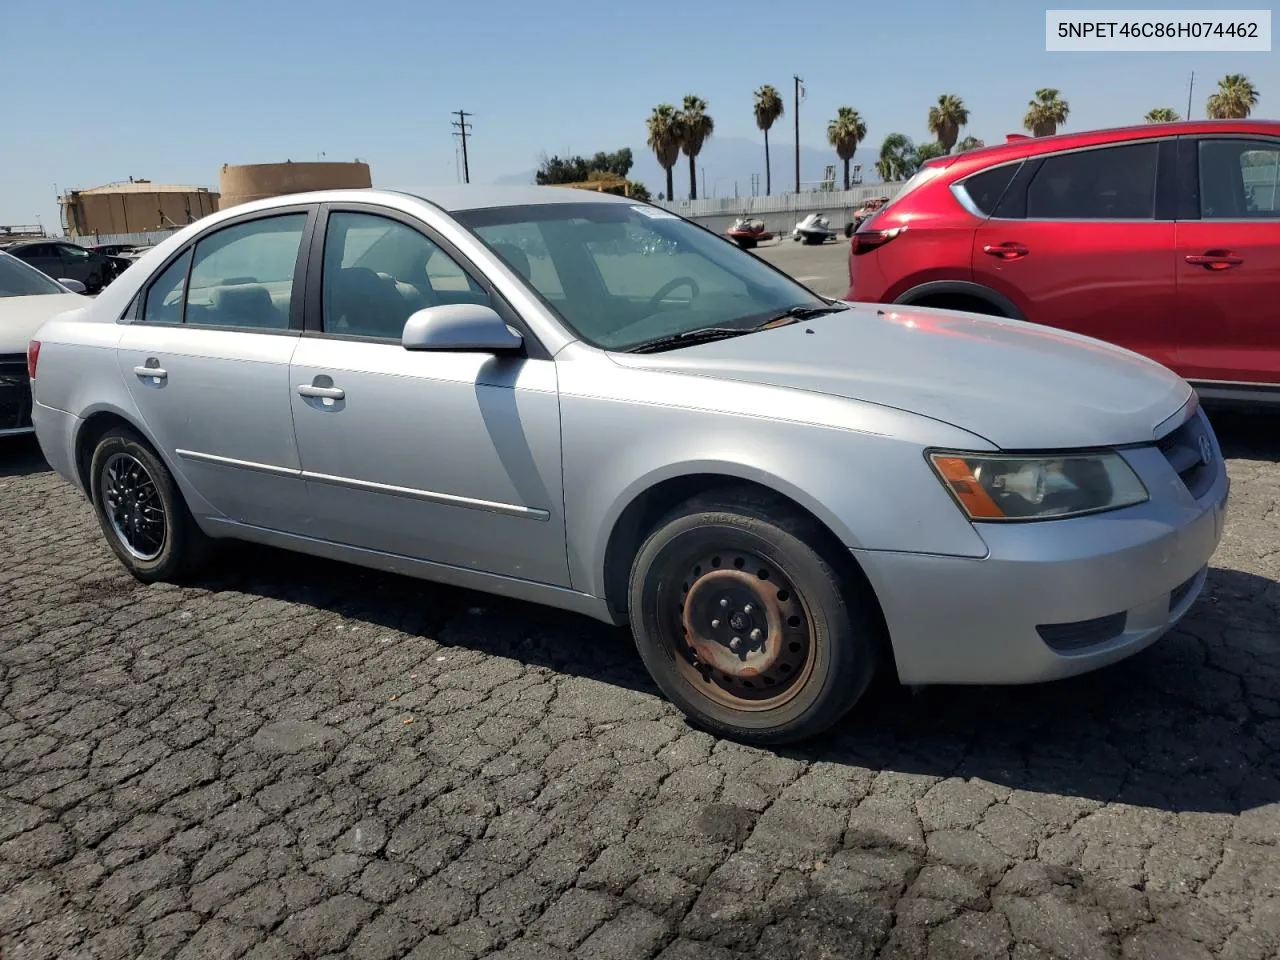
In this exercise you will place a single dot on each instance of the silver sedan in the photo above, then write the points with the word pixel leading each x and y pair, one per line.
pixel 588 402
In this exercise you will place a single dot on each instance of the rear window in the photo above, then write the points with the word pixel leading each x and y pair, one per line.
pixel 985 189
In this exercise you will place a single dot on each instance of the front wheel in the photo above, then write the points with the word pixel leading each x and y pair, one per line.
pixel 745 626
pixel 141 510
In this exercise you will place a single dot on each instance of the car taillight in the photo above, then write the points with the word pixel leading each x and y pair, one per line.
pixel 33 357
pixel 865 241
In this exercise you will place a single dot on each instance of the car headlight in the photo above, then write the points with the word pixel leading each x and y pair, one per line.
pixel 1003 488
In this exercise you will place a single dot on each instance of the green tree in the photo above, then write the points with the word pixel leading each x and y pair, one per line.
pixel 928 151
pixel 969 143
pixel 696 127
pixel 898 160
pixel 844 133
pixel 663 127
pixel 946 118
pixel 768 108
pixel 1235 99
pixel 1046 113
pixel 1161 115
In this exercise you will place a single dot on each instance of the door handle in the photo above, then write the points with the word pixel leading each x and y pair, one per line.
pixel 159 373
pixel 1215 260
pixel 326 393
pixel 1005 251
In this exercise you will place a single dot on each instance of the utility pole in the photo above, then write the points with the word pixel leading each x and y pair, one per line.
pixel 462 128
pixel 1190 86
pixel 796 116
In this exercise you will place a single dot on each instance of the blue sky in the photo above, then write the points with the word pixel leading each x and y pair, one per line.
pixel 172 90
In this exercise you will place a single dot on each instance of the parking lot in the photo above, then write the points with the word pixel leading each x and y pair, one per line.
pixel 297 758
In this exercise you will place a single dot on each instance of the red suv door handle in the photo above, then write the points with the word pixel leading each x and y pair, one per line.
pixel 1006 251
pixel 1215 260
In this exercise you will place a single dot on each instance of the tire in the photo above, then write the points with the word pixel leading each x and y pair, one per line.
pixel 817 633
pixel 180 548
pixel 747 244
pixel 93 284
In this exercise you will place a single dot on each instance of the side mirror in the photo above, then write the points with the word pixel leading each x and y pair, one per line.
pixel 468 327
pixel 75 286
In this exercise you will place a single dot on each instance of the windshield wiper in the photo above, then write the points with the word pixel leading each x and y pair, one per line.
pixel 688 338
pixel 796 314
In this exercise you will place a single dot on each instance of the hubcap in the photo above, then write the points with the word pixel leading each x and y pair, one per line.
pixel 746 631
pixel 133 506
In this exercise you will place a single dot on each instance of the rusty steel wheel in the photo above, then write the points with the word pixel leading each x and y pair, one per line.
pixel 746 624
pixel 745 630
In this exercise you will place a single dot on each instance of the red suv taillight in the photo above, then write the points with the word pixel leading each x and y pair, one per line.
pixel 33 357
pixel 865 241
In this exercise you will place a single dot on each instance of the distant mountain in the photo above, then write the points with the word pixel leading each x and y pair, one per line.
pixel 730 160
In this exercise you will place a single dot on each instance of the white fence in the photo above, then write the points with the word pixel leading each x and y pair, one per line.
pixel 781 211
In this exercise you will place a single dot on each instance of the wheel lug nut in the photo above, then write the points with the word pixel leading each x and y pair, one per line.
pixel 724 602
pixel 735 643
pixel 715 624
pixel 756 634
pixel 747 608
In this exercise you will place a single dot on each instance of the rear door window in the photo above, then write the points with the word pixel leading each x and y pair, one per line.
pixel 1110 183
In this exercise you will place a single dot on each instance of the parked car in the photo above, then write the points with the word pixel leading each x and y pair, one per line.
pixel 61 258
pixel 780 493
pixel 27 299
pixel 1163 238
pixel 864 213
pixel 746 232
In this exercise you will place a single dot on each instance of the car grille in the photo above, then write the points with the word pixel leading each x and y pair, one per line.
pixel 15 392
pixel 1182 447
pixel 1072 637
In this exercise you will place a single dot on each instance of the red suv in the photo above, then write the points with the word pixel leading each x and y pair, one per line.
pixel 1163 238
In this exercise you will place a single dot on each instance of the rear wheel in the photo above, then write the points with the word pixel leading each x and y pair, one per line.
pixel 745 626
pixel 142 513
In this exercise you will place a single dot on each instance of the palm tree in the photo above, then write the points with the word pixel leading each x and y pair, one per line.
pixel 664 139
pixel 1235 99
pixel 969 143
pixel 1161 115
pixel 1046 113
pixel 946 118
pixel 695 127
pixel 844 133
pixel 897 158
pixel 768 109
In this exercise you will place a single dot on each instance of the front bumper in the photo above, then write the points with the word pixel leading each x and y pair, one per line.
pixel 1053 599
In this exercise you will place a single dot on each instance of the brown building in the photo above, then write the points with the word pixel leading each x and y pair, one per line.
pixel 134 206
pixel 257 181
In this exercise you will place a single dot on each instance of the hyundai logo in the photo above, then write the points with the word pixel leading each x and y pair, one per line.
pixel 1206 449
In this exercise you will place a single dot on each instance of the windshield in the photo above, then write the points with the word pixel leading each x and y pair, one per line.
pixel 621 275
pixel 17 279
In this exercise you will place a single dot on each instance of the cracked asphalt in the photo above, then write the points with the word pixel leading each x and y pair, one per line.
pixel 298 758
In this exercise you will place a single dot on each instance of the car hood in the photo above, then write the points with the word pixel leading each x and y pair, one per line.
pixel 21 317
pixel 1018 385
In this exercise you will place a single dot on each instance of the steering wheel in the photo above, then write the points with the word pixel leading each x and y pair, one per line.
pixel 670 285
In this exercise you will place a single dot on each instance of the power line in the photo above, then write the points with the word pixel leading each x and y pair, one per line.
pixel 461 129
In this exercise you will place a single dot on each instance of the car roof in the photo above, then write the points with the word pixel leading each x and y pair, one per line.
pixel 452 199
pixel 1034 146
